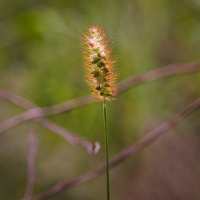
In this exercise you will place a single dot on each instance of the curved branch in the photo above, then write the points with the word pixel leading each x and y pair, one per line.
pixel 37 112
pixel 158 73
pixel 72 138
pixel 132 150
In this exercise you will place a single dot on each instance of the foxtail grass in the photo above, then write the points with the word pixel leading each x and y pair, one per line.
pixel 101 79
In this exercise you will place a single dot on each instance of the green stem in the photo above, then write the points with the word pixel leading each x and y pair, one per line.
pixel 106 151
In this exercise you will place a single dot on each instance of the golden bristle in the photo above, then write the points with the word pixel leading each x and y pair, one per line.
pixel 98 64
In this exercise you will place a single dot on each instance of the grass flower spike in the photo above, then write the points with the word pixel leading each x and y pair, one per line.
pixel 99 65
pixel 101 79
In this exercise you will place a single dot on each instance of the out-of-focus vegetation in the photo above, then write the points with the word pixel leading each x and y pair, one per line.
pixel 41 59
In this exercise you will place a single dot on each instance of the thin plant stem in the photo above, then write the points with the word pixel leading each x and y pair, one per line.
pixel 106 150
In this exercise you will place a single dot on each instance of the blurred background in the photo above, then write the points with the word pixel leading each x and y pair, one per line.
pixel 41 60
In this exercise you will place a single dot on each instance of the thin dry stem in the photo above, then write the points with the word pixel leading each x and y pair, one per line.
pixel 72 138
pixel 32 147
pixel 132 150
pixel 154 74
pixel 148 139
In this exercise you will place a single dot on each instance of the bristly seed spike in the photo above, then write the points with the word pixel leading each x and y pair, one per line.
pixel 98 64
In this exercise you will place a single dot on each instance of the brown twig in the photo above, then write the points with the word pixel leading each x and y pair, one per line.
pixel 37 112
pixel 158 73
pixel 132 150
pixel 31 165
pixel 72 138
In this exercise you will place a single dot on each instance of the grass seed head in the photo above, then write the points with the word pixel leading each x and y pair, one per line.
pixel 99 64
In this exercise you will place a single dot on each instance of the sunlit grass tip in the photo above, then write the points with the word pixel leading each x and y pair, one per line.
pixel 99 64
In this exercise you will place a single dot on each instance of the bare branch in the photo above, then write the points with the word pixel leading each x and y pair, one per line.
pixel 31 165
pixel 125 85
pixel 72 138
pixel 132 150
pixel 158 73
pixel 37 112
